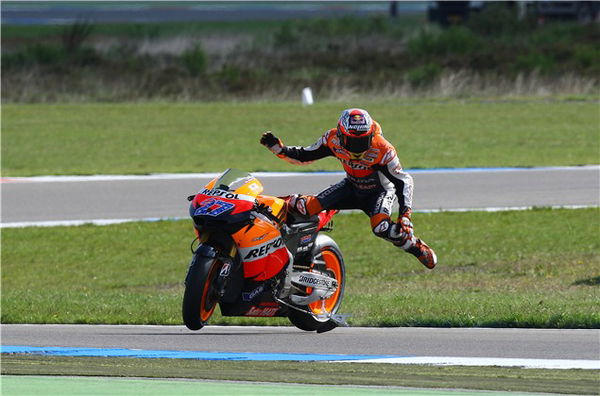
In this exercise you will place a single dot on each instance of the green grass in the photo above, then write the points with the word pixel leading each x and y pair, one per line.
pixel 534 268
pixel 209 137
pixel 488 378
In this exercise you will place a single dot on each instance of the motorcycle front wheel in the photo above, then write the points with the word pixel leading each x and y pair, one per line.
pixel 200 297
pixel 333 265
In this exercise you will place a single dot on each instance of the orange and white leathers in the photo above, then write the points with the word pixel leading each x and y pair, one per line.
pixel 374 179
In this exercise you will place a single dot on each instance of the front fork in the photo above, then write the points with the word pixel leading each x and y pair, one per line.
pixel 206 250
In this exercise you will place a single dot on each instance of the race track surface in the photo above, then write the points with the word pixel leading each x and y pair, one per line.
pixel 138 197
pixel 458 342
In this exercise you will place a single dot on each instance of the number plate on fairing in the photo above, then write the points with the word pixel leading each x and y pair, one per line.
pixel 213 207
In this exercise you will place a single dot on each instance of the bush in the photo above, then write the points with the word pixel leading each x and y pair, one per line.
pixel 535 62
pixel 498 19
pixel 286 36
pixel 457 40
pixel 35 55
pixel 195 60
pixel 73 36
pixel 587 56
pixel 423 75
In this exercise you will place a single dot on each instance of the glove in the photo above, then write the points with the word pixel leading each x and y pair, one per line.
pixel 404 225
pixel 298 203
pixel 271 142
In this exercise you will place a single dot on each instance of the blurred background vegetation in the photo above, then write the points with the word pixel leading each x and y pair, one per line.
pixel 493 52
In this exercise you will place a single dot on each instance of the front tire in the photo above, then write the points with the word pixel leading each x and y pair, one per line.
pixel 334 266
pixel 200 297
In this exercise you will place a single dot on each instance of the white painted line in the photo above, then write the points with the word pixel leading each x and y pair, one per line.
pixel 167 176
pixel 504 209
pixel 484 361
pixel 103 222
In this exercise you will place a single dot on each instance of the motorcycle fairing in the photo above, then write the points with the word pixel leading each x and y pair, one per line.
pixel 216 202
pixel 256 299
pixel 261 250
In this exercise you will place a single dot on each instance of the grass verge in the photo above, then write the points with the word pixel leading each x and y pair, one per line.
pixel 488 378
pixel 535 268
pixel 175 137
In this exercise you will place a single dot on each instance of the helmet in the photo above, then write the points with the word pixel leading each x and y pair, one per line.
pixel 355 130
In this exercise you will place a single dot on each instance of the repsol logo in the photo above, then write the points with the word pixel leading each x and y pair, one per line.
pixel 353 165
pixel 265 249
pixel 220 193
pixel 313 281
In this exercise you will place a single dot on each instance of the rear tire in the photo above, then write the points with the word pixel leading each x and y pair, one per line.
pixel 200 298
pixel 334 266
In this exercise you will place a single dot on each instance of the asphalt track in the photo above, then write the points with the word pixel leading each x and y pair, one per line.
pixel 43 199
pixel 576 344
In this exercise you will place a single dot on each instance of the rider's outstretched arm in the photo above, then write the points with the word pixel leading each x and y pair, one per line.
pixel 296 154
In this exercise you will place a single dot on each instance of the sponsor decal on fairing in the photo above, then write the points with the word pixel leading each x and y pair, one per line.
pixel 225 269
pixel 260 238
pixel 226 194
pixel 311 279
pixel 262 311
pixel 305 239
pixel 249 296
pixel 213 207
pixel 259 251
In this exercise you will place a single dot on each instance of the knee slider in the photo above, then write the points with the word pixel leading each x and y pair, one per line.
pixel 390 231
pixel 382 229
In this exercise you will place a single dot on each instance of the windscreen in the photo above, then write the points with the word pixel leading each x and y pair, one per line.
pixel 236 180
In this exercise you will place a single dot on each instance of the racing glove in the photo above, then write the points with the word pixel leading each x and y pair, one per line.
pixel 404 225
pixel 271 142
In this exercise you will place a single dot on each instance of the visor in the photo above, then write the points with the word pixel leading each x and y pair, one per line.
pixel 355 144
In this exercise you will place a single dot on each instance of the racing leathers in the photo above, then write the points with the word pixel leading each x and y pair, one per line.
pixel 374 180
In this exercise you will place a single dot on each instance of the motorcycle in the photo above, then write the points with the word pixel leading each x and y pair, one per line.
pixel 256 258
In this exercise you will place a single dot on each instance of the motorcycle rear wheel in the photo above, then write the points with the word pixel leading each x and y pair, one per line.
pixel 200 297
pixel 334 266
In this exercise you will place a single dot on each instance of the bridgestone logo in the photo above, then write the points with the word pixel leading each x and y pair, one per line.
pixel 265 249
pixel 313 281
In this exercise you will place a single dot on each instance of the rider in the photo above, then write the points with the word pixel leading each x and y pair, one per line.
pixel 374 178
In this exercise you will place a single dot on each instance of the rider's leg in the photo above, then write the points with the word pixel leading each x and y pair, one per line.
pixel 338 196
pixel 306 205
pixel 401 236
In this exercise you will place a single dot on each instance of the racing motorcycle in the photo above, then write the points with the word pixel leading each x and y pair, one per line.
pixel 256 258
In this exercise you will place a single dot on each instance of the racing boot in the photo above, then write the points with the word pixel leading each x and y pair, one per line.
pixel 424 253
pixel 306 205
